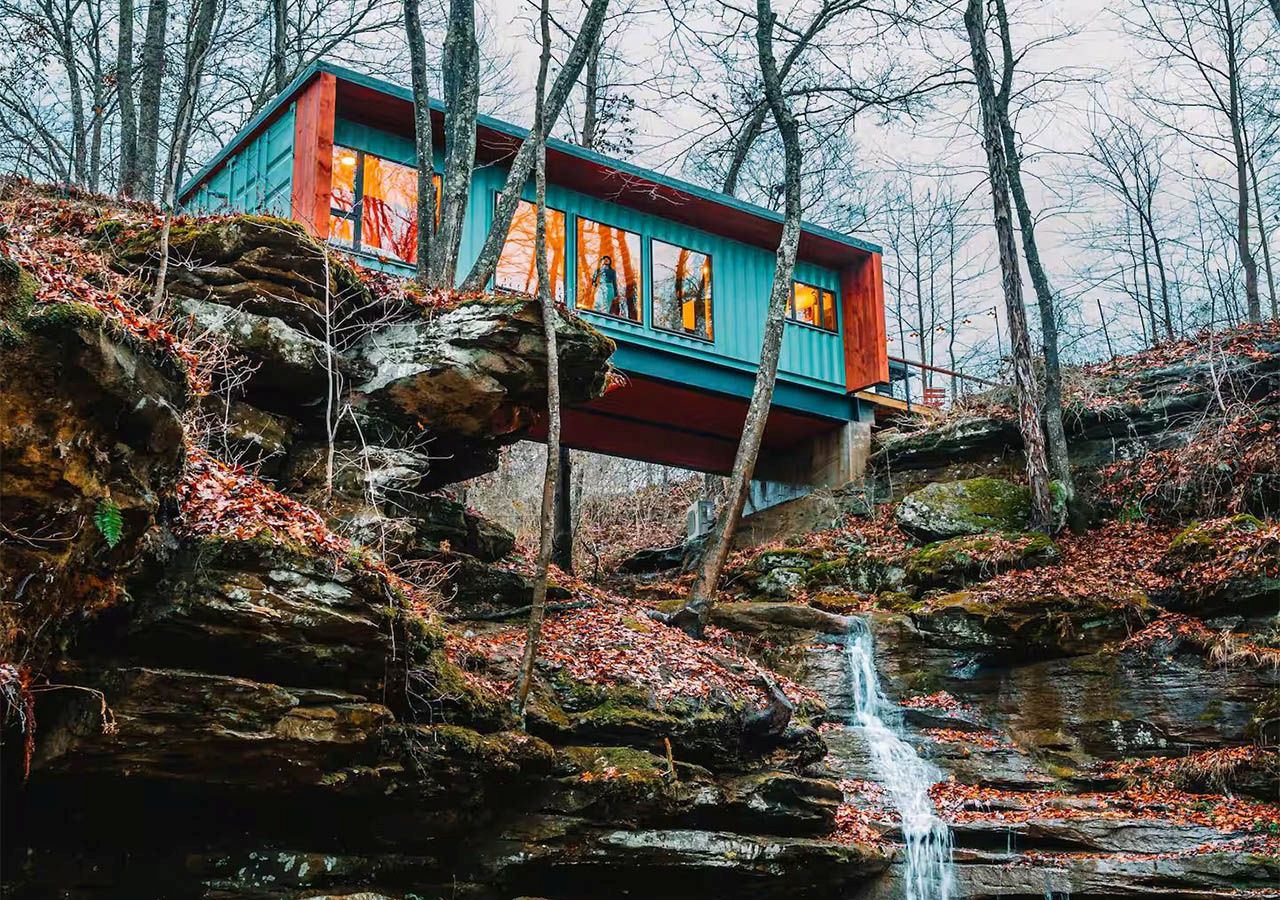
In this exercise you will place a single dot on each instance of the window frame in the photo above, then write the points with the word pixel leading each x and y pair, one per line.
pixel 497 196
pixel 792 317
pixel 645 315
pixel 653 282
pixel 356 214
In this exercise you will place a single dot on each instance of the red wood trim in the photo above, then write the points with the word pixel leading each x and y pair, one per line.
pixel 313 154
pixel 866 350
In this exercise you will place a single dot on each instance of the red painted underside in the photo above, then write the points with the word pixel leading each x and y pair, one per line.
pixel 677 426
pixel 393 114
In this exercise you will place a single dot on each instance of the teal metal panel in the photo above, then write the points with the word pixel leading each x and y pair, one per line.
pixel 742 276
pixel 257 178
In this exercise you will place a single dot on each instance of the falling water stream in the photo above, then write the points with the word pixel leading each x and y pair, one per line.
pixel 905 776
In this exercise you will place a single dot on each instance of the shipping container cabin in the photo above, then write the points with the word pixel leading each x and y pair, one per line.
pixel 679 276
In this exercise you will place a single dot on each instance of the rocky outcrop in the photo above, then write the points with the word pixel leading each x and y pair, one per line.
pixel 92 443
pixel 1240 555
pixel 314 340
pixel 949 509
pixel 959 561
pixel 1116 412
pixel 479 370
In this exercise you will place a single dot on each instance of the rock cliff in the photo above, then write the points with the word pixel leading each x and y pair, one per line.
pixel 252 650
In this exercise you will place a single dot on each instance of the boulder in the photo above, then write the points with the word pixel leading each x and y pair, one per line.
pixel 951 509
pixel 683 556
pixel 261 265
pixel 91 441
pixel 478 371
pixel 250 436
pixel 1220 566
pixel 776 619
pixel 959 561
pixel 1028 627
pixel 289 368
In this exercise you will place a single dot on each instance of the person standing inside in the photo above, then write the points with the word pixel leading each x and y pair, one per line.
pixel 605 284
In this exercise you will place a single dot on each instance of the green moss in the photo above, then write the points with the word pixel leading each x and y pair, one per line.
pixel 11 336
pixel 1201 536
pixel 65 315
pixel 17 290
pixel 831 572
pixel 959 560
pixel 626 761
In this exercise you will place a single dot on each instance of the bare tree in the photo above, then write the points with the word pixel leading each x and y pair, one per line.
pixel 1059 459
pixel 1132 166
pixel 151 69
pixel 692 617
pixel 1208 40
pixel 1020 341
pixel 522 165
pixel 538 606
pixel 422 139
pixel 128 176
pixel 207 13
pixel 461 75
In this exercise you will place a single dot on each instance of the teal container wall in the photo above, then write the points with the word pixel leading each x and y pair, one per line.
pixel 259 178
pixel 741 275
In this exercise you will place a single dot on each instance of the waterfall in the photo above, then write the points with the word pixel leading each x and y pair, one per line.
pixel 904 774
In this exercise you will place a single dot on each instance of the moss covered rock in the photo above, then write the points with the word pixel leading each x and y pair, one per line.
pixel 948 509
pixel 1223 565
pixel 964 560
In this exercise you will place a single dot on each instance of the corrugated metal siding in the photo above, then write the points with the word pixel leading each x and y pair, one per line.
pixel 257 179
pixel 741 274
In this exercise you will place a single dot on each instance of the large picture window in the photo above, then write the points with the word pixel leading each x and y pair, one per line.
pixel 374 204
pixel 608 270
pixel 813 306
pixel 517 269
pixel 681 280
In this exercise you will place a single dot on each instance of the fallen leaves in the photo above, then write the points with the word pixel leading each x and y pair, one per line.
pixel 219 500
pixel 616 643
pixel 48 237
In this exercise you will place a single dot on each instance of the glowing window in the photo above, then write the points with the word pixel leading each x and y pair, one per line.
pixel 608 270
pixel 813 306
pixel 517 270
pixel 681 281
pixel 374 204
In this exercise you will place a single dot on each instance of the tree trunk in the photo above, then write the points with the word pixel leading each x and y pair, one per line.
pixel 562 535
pixel 124 90
pixel 591 97
pixel 1275 8
pixel 487 260
pixel 422 139
pixel 537 609
pixel 1148 222
pixel 1263 239
pixel 206 13
pixel 461 99
pixel 1019 339
pixel 279 44
pixel 1059 459
pixel 692 617
pixel 1235 115
pixel 152 72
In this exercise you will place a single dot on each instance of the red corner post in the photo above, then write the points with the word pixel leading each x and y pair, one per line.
pixel 313 154
pixel 866 351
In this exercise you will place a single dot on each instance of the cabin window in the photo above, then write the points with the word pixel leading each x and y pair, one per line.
pixel 517 270
pixel 374 204
pixel 813 306
pixel 681 280
pixel 608 270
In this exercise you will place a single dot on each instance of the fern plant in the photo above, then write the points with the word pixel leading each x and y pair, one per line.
pixel 108 521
